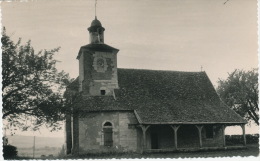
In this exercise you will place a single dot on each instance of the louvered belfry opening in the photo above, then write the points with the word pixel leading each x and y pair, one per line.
pixel 108 134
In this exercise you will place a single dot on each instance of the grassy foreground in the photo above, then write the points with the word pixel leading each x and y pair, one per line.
pixel 251 150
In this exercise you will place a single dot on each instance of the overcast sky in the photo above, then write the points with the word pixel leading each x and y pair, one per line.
pixel 180 35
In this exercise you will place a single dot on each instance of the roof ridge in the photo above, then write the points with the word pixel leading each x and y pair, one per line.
pixel 103 44
pixel 162 70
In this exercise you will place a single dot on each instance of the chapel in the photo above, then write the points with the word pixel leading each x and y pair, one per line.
pixel 136 110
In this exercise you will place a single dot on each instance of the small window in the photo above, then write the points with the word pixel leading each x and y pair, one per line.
pixel 103 92
pixel 209 131
pixel 108 134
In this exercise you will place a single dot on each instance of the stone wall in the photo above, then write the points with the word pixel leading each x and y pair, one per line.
pixel 91 135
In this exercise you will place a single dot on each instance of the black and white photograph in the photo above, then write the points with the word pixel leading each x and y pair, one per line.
pixel 129 79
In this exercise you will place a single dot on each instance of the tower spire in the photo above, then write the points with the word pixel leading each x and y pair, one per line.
pixel 95 9
pixel 96 30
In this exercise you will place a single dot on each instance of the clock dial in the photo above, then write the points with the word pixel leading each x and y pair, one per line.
pixel 100 63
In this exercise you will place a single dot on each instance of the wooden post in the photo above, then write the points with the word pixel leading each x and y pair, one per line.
pixel 199 127
pixel 144 129
pixel 244 134
pixel 175 128
pixel 223 133
pixel 144 139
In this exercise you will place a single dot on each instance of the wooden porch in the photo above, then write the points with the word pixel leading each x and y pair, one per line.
pixel 200 147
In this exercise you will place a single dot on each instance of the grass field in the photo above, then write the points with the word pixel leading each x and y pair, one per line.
pixel 28 152
pixel 251 150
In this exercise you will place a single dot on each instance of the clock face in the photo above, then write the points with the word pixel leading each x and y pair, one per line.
pixel 100 63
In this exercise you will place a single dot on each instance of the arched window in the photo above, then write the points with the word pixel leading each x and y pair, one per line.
pixel 108 134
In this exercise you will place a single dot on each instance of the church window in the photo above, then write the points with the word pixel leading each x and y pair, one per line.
pixel 209 131
pixel 103 92
pixel 108 134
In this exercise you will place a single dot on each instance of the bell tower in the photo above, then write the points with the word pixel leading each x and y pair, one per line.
pixel 96 32
pixel 97 64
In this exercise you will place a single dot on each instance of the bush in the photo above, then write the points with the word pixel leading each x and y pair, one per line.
pixel 9 151
pixel 252 139
pixel 238 139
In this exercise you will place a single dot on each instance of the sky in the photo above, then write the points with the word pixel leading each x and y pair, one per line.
pixel 178 35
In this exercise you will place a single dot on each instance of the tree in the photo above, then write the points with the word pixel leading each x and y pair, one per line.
pixel 32 86
pixel 240 92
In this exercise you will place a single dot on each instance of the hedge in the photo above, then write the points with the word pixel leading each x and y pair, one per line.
pixel 238 139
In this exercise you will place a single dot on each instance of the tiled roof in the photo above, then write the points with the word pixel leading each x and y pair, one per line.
pixel 98 47
pixel 164 97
